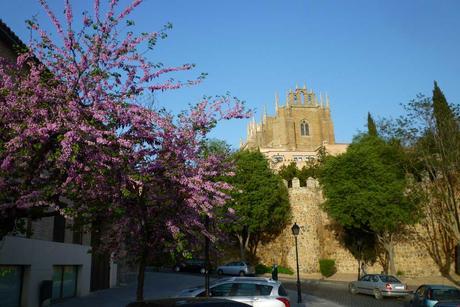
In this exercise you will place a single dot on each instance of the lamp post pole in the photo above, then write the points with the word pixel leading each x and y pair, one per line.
pixel 206 256
pixel 295 231
pixel 360 245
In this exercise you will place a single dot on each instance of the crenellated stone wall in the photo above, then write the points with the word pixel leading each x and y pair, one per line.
pixel 317 240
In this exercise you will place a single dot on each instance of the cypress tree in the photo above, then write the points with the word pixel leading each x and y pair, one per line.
pixel 371 128
pixel 446 124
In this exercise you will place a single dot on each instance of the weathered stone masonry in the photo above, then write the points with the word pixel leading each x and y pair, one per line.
pixel 317 240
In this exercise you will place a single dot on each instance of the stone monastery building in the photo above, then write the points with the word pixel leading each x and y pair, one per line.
pixel 296 133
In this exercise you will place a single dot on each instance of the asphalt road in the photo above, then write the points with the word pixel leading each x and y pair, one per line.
pixel 167 284
pixel 161 285
pixel 338 293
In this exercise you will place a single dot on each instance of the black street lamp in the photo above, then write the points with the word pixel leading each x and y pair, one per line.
pixel 360 256
pixel 206 258
pixel 295 231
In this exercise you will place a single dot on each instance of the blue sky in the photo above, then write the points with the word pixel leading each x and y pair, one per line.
pixel 367 55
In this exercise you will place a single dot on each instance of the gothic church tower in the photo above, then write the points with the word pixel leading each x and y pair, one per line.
pixel 297 131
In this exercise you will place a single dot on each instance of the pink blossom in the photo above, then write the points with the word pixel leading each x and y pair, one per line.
pixel 80 133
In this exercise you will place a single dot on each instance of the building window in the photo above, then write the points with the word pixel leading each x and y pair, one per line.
pixel 64 281
pixel 59 228
pixel 11 285
pixel 277 159
pixel 310 158
pixel 77 237
pixel 304 129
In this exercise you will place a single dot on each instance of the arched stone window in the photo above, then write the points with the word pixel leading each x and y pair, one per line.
pixel 304 128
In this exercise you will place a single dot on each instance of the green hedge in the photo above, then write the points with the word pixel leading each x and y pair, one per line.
pixel 283 270
pixel 327 267
pixel 262 269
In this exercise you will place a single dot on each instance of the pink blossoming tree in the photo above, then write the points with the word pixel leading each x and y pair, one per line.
pixel 75 140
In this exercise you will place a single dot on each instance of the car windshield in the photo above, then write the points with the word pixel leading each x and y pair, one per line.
pixel 445 294
pixel 389 278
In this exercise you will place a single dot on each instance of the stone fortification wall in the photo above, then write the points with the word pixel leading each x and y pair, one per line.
pixel 317 240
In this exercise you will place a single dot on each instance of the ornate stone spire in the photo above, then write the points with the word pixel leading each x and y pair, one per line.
pixel 277 102
pixel 264 118
pixel 288 96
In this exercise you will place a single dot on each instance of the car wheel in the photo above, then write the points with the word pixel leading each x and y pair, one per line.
pixel 176 269
pixel 219 272
pixel 242 273
pixel 377 294
pixel 353 289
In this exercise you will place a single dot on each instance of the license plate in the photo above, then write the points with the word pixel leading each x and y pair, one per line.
pixel 399 287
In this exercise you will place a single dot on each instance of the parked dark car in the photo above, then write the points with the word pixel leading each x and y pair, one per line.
pixel 188 302
pixel 455 303
pixel 191 265
pixel 436 295
pixel 240 268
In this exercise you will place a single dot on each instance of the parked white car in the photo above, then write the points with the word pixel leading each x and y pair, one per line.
pixel 254 291
pixel 240 268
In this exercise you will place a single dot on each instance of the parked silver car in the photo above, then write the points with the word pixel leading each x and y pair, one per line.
pixel 240 268
pixel 435 295
pixel 379 285
pixel 254 291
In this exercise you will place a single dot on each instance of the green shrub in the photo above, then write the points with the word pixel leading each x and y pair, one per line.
pixel 327 267
pixel 283 270
pixel 400 273
pixel 262 269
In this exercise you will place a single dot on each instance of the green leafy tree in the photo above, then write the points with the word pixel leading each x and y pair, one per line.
pixel 429 130
pixel 310 170
pixel 288 172
pixel 260 200
pixel 216 146
pixel 365 189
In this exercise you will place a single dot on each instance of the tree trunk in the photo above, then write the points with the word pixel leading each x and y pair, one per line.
pixel 383 260
pixel 391 258
pixel 240 240
pixel 254 245
pixel 246 243
pixel 243 239
pixel 140 279
pixel 386 240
